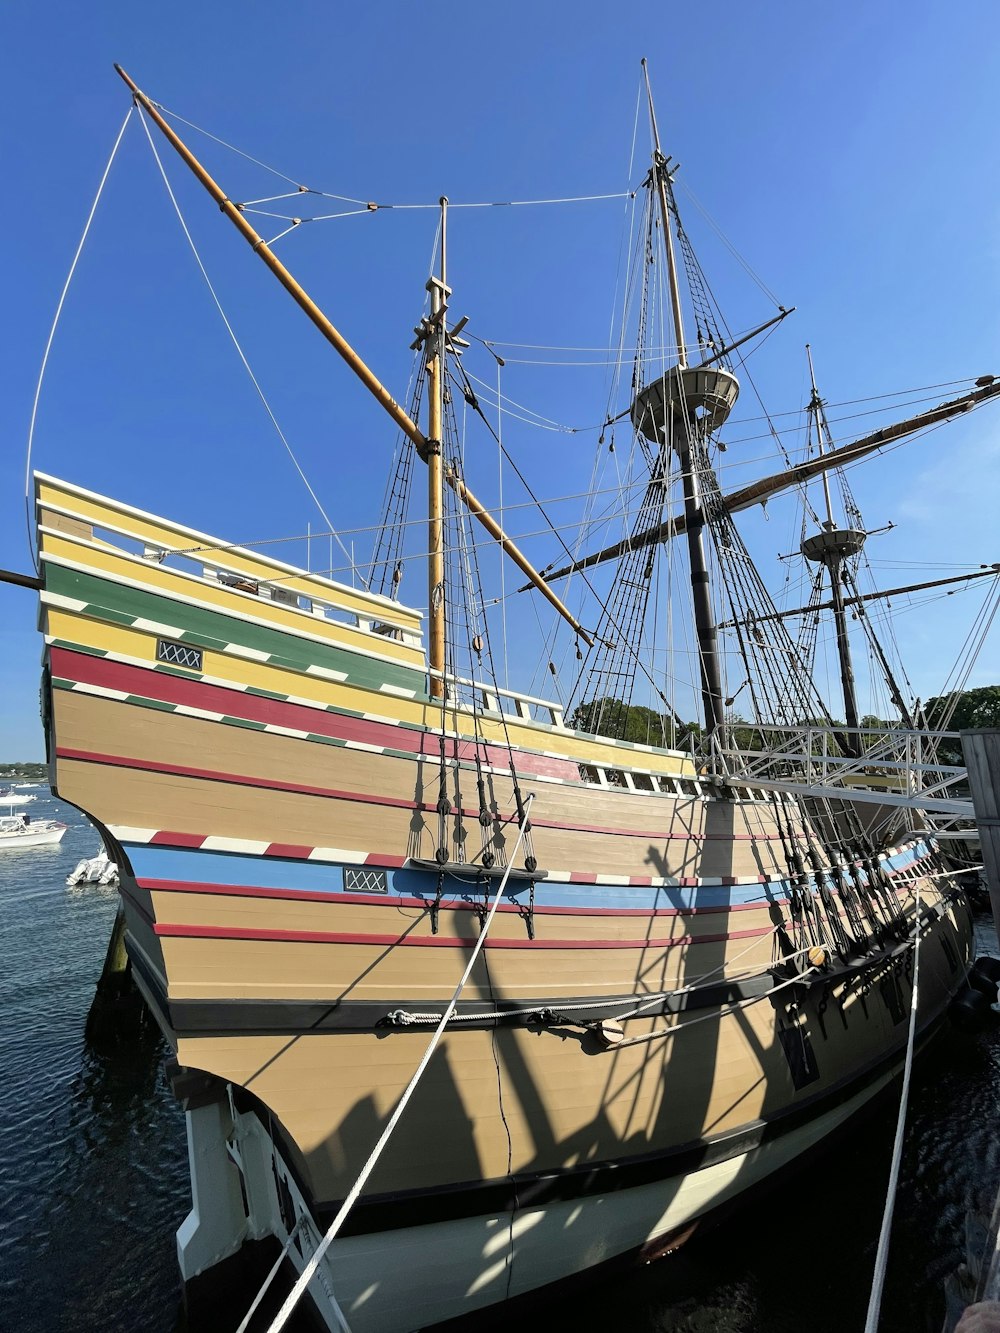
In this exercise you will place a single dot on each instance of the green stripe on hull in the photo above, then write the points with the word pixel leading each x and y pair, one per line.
pixel 106 600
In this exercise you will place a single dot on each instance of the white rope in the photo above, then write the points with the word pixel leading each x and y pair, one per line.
pixel 52 334
pixel 514 203
pixel 272 1274
pixel 723 1010
pixel 242 355
pixel 305 1277
pixel 882 1255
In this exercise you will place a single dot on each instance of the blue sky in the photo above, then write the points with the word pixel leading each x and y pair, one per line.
pixel 846 150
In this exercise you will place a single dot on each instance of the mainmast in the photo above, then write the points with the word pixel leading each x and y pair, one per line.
pixel 757 492
pixel 831 547
pixel 678 411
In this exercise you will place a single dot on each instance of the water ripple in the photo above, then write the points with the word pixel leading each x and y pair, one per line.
pixel 94 1175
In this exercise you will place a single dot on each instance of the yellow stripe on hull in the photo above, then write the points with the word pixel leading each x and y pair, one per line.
pixel 102 512
pixel 168 582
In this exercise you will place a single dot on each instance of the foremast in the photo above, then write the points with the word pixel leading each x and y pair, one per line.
pixel 434 351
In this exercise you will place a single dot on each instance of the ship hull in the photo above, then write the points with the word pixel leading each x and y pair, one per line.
pixel 667 1008
pixel 416 1274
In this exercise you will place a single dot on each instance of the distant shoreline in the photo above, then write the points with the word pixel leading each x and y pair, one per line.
pixel 18 771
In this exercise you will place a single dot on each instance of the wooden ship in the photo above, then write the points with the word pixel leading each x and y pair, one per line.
pixel 687 984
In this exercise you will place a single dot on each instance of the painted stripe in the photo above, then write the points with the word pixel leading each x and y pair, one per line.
pixel 446 904
pixel 126 645
pixel 345 626
pixel 54 494
pixel 212 628
pixel 340 795
pixel 169 930
pixel 214 869
pixel 394 802
pixel 272 709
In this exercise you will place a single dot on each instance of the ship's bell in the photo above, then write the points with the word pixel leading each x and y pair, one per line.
pixel 704 396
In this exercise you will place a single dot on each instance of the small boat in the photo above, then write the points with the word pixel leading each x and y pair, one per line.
pixel 98 869
pixel 18 830
pixel 9 797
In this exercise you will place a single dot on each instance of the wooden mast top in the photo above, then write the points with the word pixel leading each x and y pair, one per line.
pixel 340 343
pixel 659 170
pixel 816 406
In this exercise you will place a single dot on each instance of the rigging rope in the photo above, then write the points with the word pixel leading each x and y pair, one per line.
pixel 305 1277
pixel 52 333
pixel 242 354
pixel 882 1255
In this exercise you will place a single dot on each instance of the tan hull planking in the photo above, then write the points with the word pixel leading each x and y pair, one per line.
pixel 679 837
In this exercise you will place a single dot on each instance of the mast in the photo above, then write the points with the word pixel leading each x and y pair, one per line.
pixel 340 343
pixel 435 486
pixel 988 386
pixel 660 182
pixel 830 547
pixel 676 411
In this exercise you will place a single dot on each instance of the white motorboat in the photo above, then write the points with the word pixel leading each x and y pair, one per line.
pixel 19 830
pixel 99 869
pixel 8 797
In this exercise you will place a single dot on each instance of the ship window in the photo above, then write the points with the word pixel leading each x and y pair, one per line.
pixel 285 597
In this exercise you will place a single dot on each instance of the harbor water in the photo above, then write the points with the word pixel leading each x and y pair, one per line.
pixel 93 1167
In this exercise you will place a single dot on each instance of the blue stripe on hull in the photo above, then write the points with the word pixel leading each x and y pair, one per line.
pixel 193 865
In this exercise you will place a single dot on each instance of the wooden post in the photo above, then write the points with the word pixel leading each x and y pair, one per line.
pixel 982 759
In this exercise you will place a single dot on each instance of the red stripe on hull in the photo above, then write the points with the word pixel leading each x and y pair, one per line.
pixel 152 684
pixel 370 798
pixel 164 839
pixel 172 931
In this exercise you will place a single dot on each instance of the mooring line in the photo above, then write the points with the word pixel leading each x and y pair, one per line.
pixel 306 1276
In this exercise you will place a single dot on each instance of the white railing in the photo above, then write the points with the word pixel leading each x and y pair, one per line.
pixel 891 767
pixel 494 699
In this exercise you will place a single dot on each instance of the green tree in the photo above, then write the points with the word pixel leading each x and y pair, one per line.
pixel 607 716
pixel 973 708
